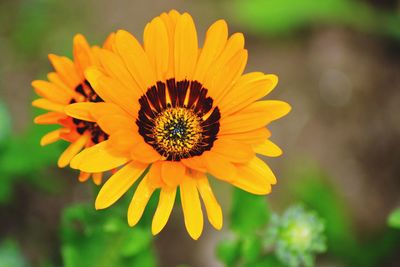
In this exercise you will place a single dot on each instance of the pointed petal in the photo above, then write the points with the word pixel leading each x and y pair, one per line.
pixel 213 208
pixel 164 208
pixel 185 47
pixel 139 202
pixel 268 148
pixel 98 158
pixel 80 111
pixel 118 184
pixel 191 206
pixel 71 151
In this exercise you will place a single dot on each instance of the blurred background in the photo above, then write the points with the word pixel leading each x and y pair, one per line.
pixel 338 62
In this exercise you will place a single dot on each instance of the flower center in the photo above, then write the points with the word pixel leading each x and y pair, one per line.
pixel 88 95
pixel 178 119
pixel 178 130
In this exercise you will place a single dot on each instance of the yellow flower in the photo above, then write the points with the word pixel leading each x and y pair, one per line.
pixel 182 113
pixel 65 86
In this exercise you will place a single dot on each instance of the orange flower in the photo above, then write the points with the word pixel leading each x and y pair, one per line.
pixel 181 113
pixel 65 86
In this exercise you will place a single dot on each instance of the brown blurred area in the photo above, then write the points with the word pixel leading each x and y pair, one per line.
pixel 344 88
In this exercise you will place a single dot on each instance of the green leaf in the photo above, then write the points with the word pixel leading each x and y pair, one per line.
pixel 249 212
pixel 10 255
pixel 228 251
pixel 394 219
pixel 103 238
pixel 251 248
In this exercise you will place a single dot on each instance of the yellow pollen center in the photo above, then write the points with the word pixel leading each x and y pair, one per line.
pixel 177 130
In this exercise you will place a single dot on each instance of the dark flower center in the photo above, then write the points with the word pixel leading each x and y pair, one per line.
pixel 178 119
pixel 97 135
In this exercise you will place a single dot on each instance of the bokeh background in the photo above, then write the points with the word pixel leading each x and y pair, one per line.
pixel 339 67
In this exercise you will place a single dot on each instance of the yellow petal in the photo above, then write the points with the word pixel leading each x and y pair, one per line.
pixel 109 43
pixel 228 74
pixel 51 92
pixel 255 177
pixel 98 158
pixel 193 215
pixel 251 137
pixel 233 151
pixel 234 46
pixel 249 88
pixel 102 109
pixel 214 43
pixel 172 172
pixel 218 166
pixel 156 45
pixel 139 202
pixel 267 148
pixel 72 150
pixel 164 208
pixel 49 118
pixel 118 184
pixel 254 116
pixel 66 70
pixel 170 20
pixel 111 91
pixel 54 78
pixel 83 56
pixel 213 208
pixel 116 69
pixel 50 137
pixel 135 59
pixel 80 111
pixel 48 105
pixel 185 47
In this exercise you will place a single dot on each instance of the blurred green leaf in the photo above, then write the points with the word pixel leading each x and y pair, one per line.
pixel 5 122
pixel 10 255
pixel 311 186
pixel 394 219
pixel 282 17
pixel 251 248
pixel 249 212
pixel 94 239
pixel 266 261
pixel 228 251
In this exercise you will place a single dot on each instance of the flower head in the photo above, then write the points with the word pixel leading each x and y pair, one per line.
pixel 67 85
pixel 181 112
pixel 298 236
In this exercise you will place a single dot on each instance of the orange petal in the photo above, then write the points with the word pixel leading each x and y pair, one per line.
pixel 218 166
pixel 172 173
pixel 233 151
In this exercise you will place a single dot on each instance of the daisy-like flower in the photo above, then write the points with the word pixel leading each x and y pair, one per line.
pixel 67 85
pixel 181 113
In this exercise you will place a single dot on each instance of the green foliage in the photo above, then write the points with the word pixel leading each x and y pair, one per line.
pixel 256 237
pixel 10 255
pixel 281 17
pixel 311 187
pixel 93 239
pixel 394 219
pixel 249 212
